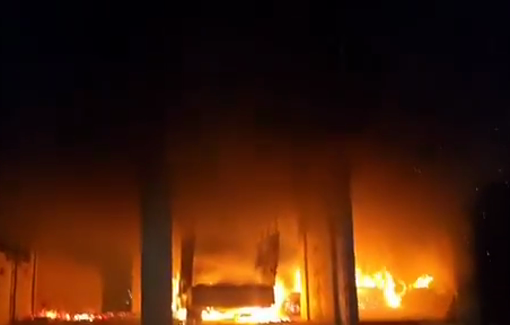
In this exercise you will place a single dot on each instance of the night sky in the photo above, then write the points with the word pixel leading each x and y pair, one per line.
pixel 417 95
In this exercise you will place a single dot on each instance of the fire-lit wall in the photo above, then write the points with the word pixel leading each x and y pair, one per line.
pixel 23 306
pixel 5 289
pixel 65 284
pixel 24 290
pixel 136 290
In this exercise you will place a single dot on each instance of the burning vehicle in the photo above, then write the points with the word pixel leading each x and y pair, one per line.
pixel 274 297
pixel 257 302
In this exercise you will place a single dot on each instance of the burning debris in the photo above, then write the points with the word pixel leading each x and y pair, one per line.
pixel 393 290
pixel 249 314
pixel 287 305
pixel 58 315
pixel 382 286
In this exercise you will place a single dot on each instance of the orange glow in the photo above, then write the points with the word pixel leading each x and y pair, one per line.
pixel 423 282
pixel 384 281
pixel 175 296
pixel 258 315
pixel 297 281
pixel 76 317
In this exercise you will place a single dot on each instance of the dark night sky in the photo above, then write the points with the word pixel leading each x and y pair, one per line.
pixel 83 86
pixel 83 76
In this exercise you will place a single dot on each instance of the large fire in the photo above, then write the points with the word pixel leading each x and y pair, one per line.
pixel 250 315
pixel 382 282
pixel 393 290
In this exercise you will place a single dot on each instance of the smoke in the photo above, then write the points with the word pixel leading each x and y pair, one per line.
pixel 85 211
pixel 232 187
pixel 404 209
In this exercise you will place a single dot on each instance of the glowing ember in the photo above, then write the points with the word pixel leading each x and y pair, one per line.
pixel 243 315
pixel 76 317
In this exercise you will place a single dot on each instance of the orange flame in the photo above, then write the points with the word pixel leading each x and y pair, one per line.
pixel 382 280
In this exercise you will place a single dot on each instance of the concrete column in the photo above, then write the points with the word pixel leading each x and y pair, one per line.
pixel 319 269
pixel 345 238
pixel 313 224
pixel 156 268
pixel 341 221
pixel 24 290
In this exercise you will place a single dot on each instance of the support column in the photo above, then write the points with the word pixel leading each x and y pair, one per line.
pixel 345 233
pixel 300 182
pixel 342 244
pixel 338 296
pixel 156 244
pixel 349 264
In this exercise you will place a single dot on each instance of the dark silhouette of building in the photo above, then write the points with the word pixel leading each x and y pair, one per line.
pixel 491 219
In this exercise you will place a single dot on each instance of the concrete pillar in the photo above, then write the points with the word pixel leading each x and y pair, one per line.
pixel 24 290
pixel 156 259
pixel 343 240
pixel 313 223
pixel 341 230
pixel 320 280
pixel 136 284
pixel 331 283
